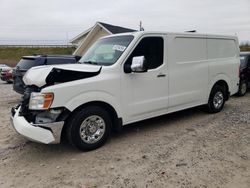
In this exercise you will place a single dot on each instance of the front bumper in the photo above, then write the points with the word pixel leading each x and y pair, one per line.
pixel 49 133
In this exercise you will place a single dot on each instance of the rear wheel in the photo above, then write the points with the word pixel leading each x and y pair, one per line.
pixel 242 88
pixel 217 99
pixel 89 128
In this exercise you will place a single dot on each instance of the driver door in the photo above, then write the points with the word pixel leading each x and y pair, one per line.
pixel 145 94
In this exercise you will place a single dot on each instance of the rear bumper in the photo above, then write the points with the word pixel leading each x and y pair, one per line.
pixel 5 77
pixel 49 133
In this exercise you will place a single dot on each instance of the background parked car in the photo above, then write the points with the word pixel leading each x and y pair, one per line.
pixel 244 73
pixel 28 62
pixel 6 75
pixel 4 67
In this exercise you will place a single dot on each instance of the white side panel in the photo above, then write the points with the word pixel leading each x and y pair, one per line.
pixel 224 60
pixel 221 48
pixel 188 71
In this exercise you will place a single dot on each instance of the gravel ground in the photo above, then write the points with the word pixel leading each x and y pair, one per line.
pixel 186 149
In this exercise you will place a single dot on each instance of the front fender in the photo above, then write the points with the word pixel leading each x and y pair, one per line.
pixel 92 96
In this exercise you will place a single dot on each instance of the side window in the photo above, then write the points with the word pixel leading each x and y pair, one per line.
pixel 152 49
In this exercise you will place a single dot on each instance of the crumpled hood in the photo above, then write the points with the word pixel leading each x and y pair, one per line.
pixel 47 75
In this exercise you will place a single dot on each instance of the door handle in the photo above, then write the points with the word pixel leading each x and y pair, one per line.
pixel 161 75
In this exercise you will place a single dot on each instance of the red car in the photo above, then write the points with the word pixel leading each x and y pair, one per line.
pixel 6 75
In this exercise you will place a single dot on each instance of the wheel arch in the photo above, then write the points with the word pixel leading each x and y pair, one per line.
pixel 116 120
pixel 222 83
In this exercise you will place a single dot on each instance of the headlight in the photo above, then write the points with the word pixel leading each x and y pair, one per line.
pixel 40 101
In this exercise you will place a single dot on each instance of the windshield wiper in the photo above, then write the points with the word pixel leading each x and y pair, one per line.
pixel 90 62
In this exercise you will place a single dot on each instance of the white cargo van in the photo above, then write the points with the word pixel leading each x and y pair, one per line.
pixel 123 79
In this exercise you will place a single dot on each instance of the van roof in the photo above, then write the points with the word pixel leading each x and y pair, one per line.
pixel 140 33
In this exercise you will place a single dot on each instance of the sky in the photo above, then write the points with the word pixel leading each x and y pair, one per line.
pixel 63 19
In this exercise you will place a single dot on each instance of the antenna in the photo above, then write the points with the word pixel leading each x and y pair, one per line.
pixel 192 31
pixel 141 28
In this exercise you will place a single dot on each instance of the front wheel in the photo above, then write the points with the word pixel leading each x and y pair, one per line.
pixel 216 99
pixel 89 128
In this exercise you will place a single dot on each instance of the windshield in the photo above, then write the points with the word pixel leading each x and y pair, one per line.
pixel 243 62
pixel 107 51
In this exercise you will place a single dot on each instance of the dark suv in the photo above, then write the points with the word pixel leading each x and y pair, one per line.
pixel 28 62
pixel 244 73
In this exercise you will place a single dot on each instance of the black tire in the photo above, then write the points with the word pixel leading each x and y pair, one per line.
pixel 81 116
pixel 242 88
pixel 217 92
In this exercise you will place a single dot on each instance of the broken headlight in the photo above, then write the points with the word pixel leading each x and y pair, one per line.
pixel 40 101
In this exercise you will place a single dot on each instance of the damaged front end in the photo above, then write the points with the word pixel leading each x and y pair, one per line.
pixel 44 126
pixel 49 75
pixel 39 116
pixel 58 75
pixel 34 118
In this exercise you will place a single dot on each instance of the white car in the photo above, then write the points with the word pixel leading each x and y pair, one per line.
pixel 123 79
pixel 4 67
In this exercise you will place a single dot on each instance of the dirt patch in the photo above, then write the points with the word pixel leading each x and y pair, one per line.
pixel 186 149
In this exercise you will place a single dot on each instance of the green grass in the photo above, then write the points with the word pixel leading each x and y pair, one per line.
pixel 11 56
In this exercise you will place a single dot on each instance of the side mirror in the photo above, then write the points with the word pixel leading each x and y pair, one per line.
pixel 139 64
